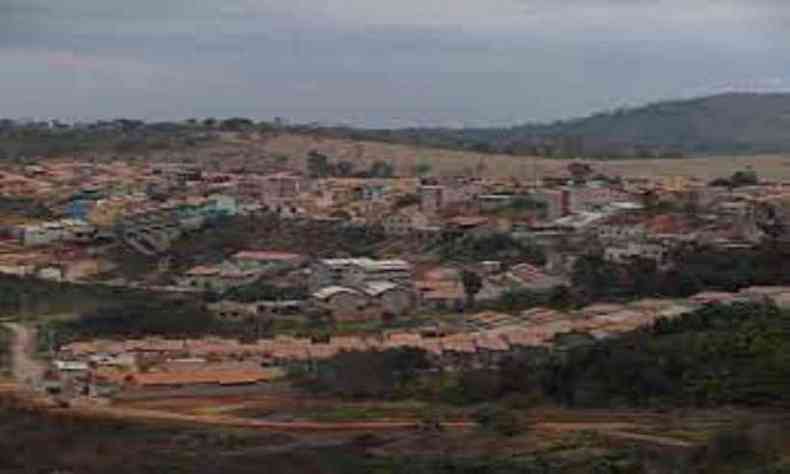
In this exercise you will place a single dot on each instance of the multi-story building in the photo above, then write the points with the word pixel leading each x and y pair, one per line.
pixel 356 272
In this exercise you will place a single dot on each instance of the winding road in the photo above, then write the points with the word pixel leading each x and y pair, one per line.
pixel 27 370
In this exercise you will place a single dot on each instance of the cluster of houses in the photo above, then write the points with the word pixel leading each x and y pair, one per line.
pixel 147 206
pixel 109 367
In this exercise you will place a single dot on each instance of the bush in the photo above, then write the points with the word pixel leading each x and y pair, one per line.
pixel 501 421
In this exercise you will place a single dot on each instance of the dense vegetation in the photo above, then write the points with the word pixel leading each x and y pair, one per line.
pixel 737 354
pixel 5 351
pixel 307 237
pixel 138 319
pixel 362 375
pixel 103 311
pixel 119 136
pixel 490 246
pixel 36 297
pixel 36 443
pixel 24 208
pixel 695 269
pixel 727 123
pixel 261 291
pixel 32 442
pixel 321 166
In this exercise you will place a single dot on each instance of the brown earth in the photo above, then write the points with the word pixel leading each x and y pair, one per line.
pixel 260 151
pixel 448 162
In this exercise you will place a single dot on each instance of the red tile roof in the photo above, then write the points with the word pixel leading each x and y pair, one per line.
pixel 266 255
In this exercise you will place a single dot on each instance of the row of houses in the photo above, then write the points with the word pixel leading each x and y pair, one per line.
pixel 537 326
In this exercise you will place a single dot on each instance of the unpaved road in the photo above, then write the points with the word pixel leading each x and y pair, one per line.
pixel 615 430
pixel 27 370
pixel 114 412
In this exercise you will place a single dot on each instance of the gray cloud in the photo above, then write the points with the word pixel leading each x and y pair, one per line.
pixel 381 63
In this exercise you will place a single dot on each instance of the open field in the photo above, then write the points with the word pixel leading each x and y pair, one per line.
pixel 256 150
pixel 444 162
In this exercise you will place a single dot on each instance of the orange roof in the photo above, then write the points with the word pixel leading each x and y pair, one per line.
pixel 266 255
pixel 230 377
pixel 440 289
pixel 203 271
pixel 468 221
pixel 668 224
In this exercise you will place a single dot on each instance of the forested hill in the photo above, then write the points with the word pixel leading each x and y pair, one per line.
pixel 726 124
pixel 738 123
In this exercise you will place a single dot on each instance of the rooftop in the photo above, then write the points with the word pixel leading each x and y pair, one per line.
pixel 266 255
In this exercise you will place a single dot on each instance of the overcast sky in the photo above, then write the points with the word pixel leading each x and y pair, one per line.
pixel 381 63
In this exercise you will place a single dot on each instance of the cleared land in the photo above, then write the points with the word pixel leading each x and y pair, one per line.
pixel 271 150
pixel 443 162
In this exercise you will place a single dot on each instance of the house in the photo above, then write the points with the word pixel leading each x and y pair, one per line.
pixel 258 260
pixel 441 294
pixel 432 198
pixel 620 228
pixel 233 311
pixel 491 348
pixel 373 191
pixel 493 202
pixel 435 197
pixel 215 278
pixel 71 366
pixel 405 221
pixel 556 201
pixel 40 234
pixel 532 277
pixel 357 271
pixel 168 380
pixel 223 205
pixel 280 186
pixel 340 299
pixel 201 277
pixel 366 270
pixel 632 250
pixel 51 273
pixel 459 350
pixel 467 225
pixel 589 198
pixel 393 298
pixel 716 297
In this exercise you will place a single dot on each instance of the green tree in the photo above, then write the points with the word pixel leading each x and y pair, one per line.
pixel 472 283
pixel 381 169
pixel 237 124
pixel 501 420
pixel 344 168
pixel 318 165
pixel 422 169
pixel 747 177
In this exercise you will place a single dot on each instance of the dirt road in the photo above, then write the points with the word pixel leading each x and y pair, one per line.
pixel 27 370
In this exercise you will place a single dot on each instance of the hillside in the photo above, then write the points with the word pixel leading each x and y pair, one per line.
pixel 738 123
pixel 732 123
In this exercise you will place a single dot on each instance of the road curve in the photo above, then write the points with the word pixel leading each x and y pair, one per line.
pixel 27 370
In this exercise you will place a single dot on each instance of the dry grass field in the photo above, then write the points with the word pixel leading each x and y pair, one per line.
pixel 271 152
pixel 448 162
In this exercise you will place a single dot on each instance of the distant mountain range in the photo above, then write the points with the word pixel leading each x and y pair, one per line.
pixel 737 123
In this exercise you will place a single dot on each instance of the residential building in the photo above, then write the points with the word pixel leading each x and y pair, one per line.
pixel 357 271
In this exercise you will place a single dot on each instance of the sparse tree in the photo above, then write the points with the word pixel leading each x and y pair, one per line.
pixel 422 169
pixel 381 169
pixel 473 283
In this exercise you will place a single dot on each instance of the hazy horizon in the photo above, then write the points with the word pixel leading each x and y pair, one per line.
pixel 426 63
